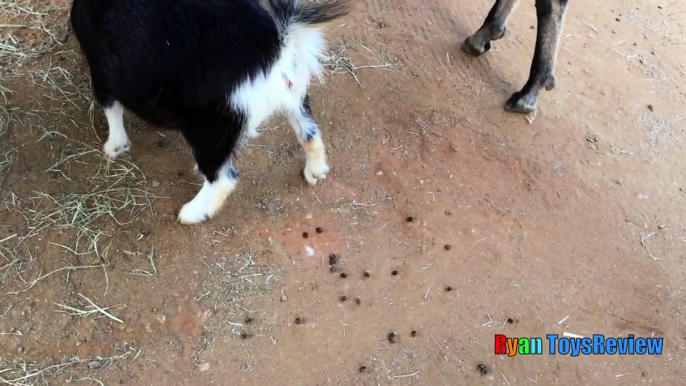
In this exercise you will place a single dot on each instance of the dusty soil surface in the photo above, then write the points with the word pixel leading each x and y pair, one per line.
pixel 571 223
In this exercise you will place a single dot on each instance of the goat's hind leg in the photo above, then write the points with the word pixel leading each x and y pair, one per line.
pixel 493 28
pixel 550 14
pixel 310 138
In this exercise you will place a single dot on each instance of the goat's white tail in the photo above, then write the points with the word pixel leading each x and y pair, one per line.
pixel 302 42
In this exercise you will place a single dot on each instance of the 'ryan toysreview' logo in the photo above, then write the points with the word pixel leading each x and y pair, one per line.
pixel 578 345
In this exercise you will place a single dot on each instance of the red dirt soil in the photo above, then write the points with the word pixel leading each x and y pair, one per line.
pixel 571 223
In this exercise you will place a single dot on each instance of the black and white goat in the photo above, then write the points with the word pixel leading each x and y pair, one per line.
pixel 213 70
pixel 550 16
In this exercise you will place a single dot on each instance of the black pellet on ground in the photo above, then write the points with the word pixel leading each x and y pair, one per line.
pixel 344 275
pixel 366 274
pixel 299 320
pixel 392 337
pixel 358 301
pixel 394 272
pixel 409 218
pixel 447 247
pixel 413 333
pixel 343 298
pixel 448 288
pixel 319 230
pixel 333 259
pixel 482 368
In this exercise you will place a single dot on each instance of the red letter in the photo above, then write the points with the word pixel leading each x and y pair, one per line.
pixel 500 344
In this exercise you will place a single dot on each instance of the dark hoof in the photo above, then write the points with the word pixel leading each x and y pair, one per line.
pixel 473 49
pixel 521 104
pixel 549 82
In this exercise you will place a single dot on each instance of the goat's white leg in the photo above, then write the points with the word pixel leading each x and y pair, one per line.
pixel 211 196
pixel 117 141
pixel 310 138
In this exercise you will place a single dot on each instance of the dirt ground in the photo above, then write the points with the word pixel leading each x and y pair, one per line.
pixel 468 221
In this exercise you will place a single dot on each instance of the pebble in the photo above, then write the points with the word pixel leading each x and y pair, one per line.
pixel 94 364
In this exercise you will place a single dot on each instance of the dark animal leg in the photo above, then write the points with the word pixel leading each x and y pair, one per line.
pixel 493 28
pixel 550 15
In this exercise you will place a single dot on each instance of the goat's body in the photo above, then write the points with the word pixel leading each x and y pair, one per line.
pixel 550 15
pixel 159 58
pixel 213 69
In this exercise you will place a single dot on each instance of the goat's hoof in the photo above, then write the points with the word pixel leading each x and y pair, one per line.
pixel 114 150
pixel 315 171
pixel 549 82
pixel 194 213
pixel 520 103
pixel 471 47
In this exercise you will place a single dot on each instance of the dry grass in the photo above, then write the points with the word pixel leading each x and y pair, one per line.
pixel 113 191
pixel 20 17
pixel 338 61
pixel 95 192
pixel 241 283
pixel 241 276
pixel 13 260
pixel 6 160
pixel 61 86
pixel 6 116
pixel 21 373
pixel 90 309
pixel 88 198
pixel 94 188
pixel 98 191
